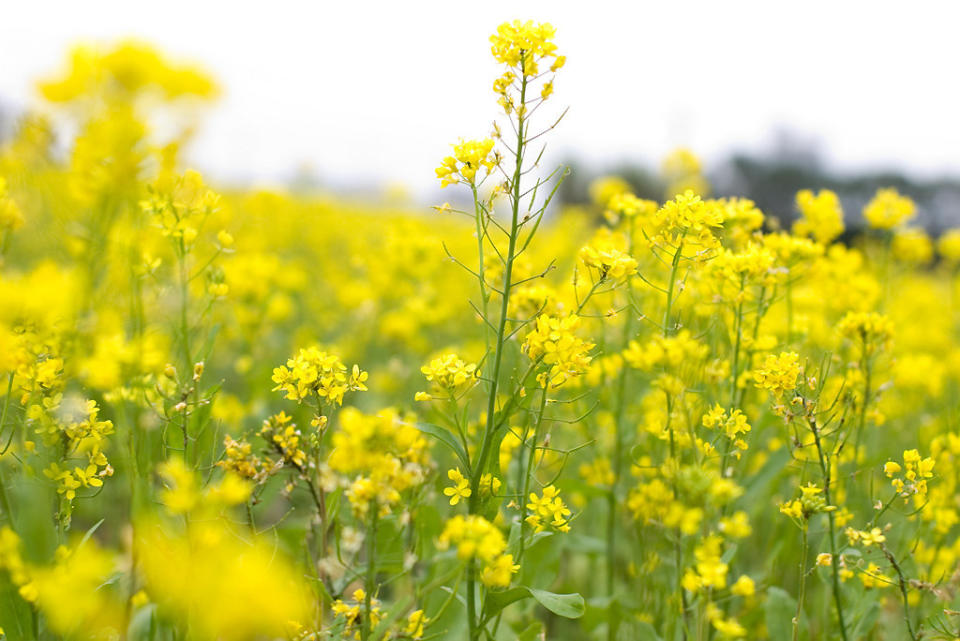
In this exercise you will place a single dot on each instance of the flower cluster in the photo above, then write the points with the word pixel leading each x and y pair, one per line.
pixel 477 538
pixel 469 157
pixel 687 219
pixel 873 331
pixel 548 510
pixel 778 374
pixel 554 342
pixel 734 425
pixel 811 501
pixel 910 479
pixel 821 215
pixel 608 261
pixel 352 612
pixel 888 209
pixel 524 45
pixel 84 437
pixel 449 375
pixel 284 437
pixel 665 351
pixel 383 454
pixel 313 373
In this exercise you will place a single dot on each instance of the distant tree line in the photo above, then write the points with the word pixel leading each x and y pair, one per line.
pixel 772 181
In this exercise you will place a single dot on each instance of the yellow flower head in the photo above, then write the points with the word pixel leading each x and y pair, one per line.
pixel 523 45
pixel 469 157
pixel 888 209
pixel 821 216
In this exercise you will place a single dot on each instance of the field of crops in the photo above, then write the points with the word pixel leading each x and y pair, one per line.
pixel 247 415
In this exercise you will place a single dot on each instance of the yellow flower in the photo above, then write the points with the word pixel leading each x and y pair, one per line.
pixel 778 374
pixel 743 586
pixel 608 261
pixel 469 157
pixel 948 245
pixel 522 45
pixel 450 374
pixel 313 372
pixel 888 209
pixel 460 489
pixel 499 572
pixel 553 339
pixel 821 215
pixel 489 485
pixel 415 624
pixel 548 509
pixel 475 537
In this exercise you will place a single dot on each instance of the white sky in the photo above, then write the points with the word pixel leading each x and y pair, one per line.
pixel 370 92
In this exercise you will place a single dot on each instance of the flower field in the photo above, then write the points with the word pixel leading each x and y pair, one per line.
pixel 239 415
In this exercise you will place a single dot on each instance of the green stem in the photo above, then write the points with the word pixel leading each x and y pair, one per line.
pixel 867 375
pixel 474 632
pixel 902 584
pixel 484 296
pixel 502 324
pixel 617 469
pixel 678 540
pixel 673 280
pixel 4 497
pixel 528 473
pixel 735 374
pixel 187 371
pixel 789 309
pixel 835 581
pixel 371 573
pixel 803 582
pixel 488 434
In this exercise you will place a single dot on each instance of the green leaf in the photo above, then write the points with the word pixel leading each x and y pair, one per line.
pixel 142 623
pixel 446 437
pixel 532 632
pixel 865 615
pixel 497 601
pixel 645 632
pixel 780 609
pixel 570 606
pixel 89 533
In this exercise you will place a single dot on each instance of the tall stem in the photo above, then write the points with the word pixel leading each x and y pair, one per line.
pixel 484 295
pixel 825 471
pixel 528 472
pixel 678 540
pixel 902 585
pixel 803 582
pixel 371 573
pixel 490 427
pixel 673 280
pixel 504 305
pixel 187 371
pixel 4 497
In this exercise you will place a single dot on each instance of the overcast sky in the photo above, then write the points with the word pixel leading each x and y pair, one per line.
pixel 373 92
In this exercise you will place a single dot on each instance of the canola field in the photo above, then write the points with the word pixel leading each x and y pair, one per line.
pixel 239 415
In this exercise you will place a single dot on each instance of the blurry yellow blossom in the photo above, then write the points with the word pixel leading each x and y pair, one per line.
pixel 821 215
pixel 888 209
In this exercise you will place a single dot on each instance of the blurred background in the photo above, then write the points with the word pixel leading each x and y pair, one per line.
pixel 364 98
